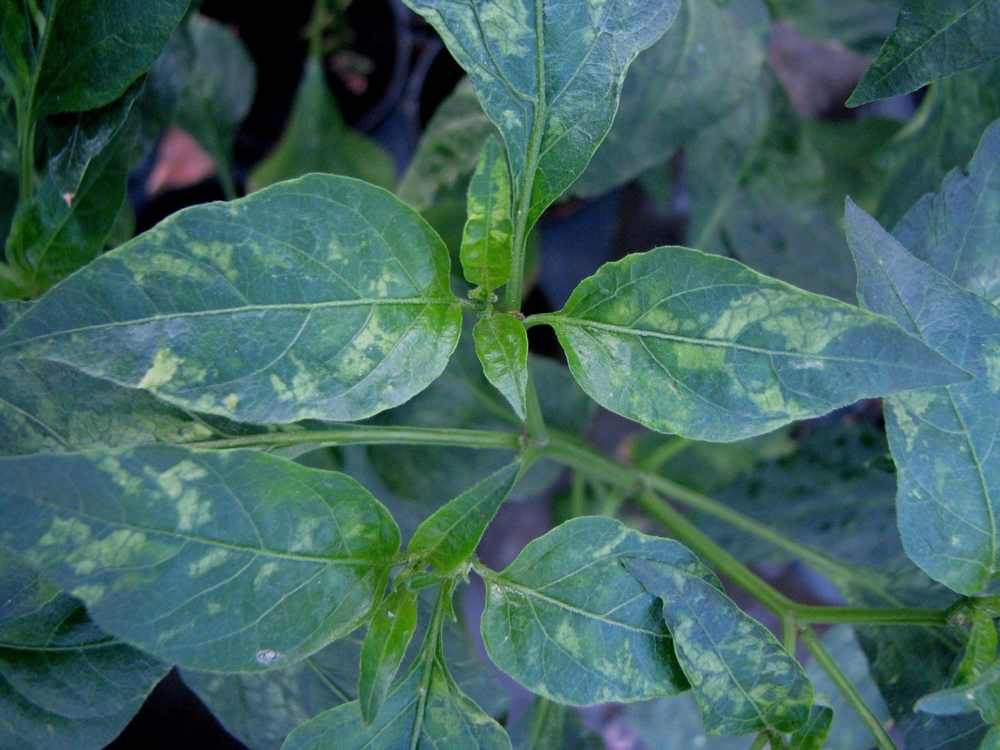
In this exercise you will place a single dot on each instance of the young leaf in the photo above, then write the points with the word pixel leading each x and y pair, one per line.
pixel 219 93
pixel 64 684
pixel 548 76
pixel 706 348
pixel 322 297
pixel 941 438
pixel 487 243
pixel 813 734
pixel 549 726
pixel 982 694
pixel 957 231
pixel 502 347
pixel 389 633
pixel 160 541
pixel 451 534
pixel 316 139
pixel 931 40
pixel 568 621
pixel 743 679
pixel 981 648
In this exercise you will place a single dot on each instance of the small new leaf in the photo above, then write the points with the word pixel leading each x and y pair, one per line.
pixel 502 347
pixel 742 677
pixel 488 239
pixel 389 633
pixel 814 733
pixel 980 650
pixel 452 532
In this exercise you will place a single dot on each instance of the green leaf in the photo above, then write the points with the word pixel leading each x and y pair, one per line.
pixel 675 724
pixel 549 726
pixel 93 52
pixel 981 648
pixel 706 348
pixel 502 347
pixel 568 621
pixel 160 541
pixel 861 25
pixel 463 397
pixel 15 48
pixel 957 231
pixel 742 677
pixel 931 41
pixel 549 78
pixel 451 534
pixel 321 298
pixel 942 438
pixel 992 740
pixel 705 65
pixel 814 733
pixel 389 633
pixel 219 93
pixel 316 139
pixel 488 239
pixel 943 135
pixel 64 684
pixel 982 694
pixel 448 150
pixel 926 732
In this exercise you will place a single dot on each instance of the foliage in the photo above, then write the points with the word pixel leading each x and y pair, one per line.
pixel 159 402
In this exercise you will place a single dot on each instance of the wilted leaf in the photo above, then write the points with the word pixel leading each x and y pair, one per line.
pixel 704 347
pixel 319 298
pixel 161 541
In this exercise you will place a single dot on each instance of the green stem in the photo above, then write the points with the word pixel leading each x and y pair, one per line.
pixel 429 652
pixel 823 658
pixel 663 453
pixel 811 614
pixel 534 421
pixel 373 435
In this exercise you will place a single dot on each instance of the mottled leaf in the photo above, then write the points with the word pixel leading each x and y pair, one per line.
pixel 942 438
pixel 487 242
pixel 943 135
pixel 706 348
pixel 703 67
pixel 448 150
pixel 549 726
pixel 389 633
pixel 323 297
pixel 463 397
pixel 231 562
pixel 742 677
pixel 316 139
pixel 64 684
pixel 219 93
pixel 548 74
pixel 957 231
pixel 92 52
pixel 982 694
pixel 570 623
pixel 502 347
pixel 453 531
pixel 931 40
pixel 813 735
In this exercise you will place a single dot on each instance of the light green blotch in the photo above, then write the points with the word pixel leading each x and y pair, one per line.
pixel 210 561
pixel 121 548
pixel 162 371
pixel 700 357
pixel 163 264
pixel 907 408
pixel 231 402
pixel 192 511
pixel 63 532
pixel 219 254
pixel 991 356
pixel 267 570
pixel 283 392
pixel 129 483
pixel 89 593
pixel 505 24
pixel 304 535
pixel 567 639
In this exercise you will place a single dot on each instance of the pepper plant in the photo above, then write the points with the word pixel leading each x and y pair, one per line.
pixel 153 403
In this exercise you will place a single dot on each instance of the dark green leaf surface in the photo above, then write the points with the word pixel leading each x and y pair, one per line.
pixel 703 67
pixel 943 135
pixel 389 633
pixel 94 51
pixel 15 48
pixel 452 532
pixel 549 726
pixel 548 75
pixel 219 92
pixel 570 623
pixel 323 297
pixel 706 348
pixel 230 562
pixel 502 347
pixel 931 40
pixel 426 710
pixel 487 242
pixel 316 139
pixel 742 677
pixel 942 439
pixel 64 684
pixel 957 231
pixel 926 732
pixel 982 694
